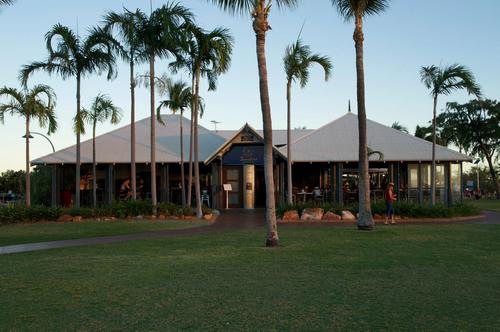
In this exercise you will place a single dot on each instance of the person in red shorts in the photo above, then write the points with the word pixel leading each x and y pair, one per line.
pixel 389 199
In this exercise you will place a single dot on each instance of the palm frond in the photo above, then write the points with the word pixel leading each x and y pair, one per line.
pixel 349 9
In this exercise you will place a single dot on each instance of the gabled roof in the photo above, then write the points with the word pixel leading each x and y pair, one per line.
pixel 279 135
pixel 246 129
pixel 338 141
pixel 114 146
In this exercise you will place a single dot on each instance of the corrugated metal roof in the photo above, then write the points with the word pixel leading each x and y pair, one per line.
pixel 338 141
pixel 114 147
pixel 335 141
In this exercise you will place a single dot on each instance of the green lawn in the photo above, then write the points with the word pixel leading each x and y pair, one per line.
pixel 487 204
pixel 50 231
pixel 412 277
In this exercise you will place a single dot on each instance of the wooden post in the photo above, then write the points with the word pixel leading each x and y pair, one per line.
pixel 340 184
pixel 420 188
pixel 167 183
pixel 163 183
pixel 108 184
pixel 282 183
pixel 53 191
pixel 332 183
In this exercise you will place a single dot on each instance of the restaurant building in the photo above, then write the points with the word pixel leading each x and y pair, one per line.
pixel 325 166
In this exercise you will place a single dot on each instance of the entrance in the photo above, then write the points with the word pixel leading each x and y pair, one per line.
pixel 260 188
pixel 233 176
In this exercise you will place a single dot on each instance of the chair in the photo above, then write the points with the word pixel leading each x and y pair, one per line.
pixel 318 195
pixel 205 198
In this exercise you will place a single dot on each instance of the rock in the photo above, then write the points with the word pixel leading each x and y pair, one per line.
pixel 312 214
pixel 139 217
pixel 162 217
pixel 347 215
pixel 291 215
pixel 377 216
pixel 331 216
pixel 77 218
pixel 150 217
pixel 187 217
pixel 207 216
pixel 216 212
pixel 397 217
pixel 65 218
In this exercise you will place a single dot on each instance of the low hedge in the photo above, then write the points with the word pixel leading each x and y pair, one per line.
pixel 400 208
pixel 119 209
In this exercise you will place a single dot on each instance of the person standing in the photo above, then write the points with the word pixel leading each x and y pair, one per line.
pixel 389 199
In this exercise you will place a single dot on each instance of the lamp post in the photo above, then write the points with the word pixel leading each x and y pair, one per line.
pixel 477 176
pixel 54 170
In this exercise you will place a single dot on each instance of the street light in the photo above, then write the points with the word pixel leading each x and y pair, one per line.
pixel 44 136
pixel 54 170
pixel 476 162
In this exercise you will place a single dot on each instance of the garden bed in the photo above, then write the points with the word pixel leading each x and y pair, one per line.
pixel 117 210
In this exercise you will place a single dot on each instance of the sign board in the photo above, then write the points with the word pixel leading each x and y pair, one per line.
pixel 227 187
pixel 470 183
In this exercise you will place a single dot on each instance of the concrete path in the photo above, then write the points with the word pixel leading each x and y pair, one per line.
pixel 229 220
pixel 232 219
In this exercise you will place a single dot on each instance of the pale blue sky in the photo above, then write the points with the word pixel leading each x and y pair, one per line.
pixel 397 43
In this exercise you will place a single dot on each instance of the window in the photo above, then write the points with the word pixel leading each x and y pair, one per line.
pixel 413 175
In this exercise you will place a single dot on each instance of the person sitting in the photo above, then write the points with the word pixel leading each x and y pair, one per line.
pixel 125 192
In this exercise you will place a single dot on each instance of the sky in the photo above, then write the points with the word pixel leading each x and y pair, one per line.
pixel 398 42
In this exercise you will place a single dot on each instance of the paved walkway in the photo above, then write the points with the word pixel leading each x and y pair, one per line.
pixel 229 220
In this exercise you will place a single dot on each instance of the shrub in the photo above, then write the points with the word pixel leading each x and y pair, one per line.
pixel 400 208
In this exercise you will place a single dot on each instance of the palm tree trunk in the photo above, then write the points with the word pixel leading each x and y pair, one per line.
pixel 133 178
pixel 28 182
pixel 197 190
pixel 77 170
pixel 190 179
pixel 493 174
pixel 153 128
pixel 289 142
pixel 94 173
pixel 183 188
pixel 365 219
pixel 260 27
pixel 433 167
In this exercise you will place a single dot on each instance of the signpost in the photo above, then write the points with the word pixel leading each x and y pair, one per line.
pixel 227 189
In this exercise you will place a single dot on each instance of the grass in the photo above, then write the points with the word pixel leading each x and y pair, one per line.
pixel 51 231
pixel 412 277
pixel 486 204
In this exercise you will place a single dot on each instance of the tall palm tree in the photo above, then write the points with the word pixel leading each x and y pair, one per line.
pixel 73 57
pixel 179 99
pixel 37 103
pixel 213 54
pixel 298 60
pixel 101 109
pixel 259 11
pixel 130 49
pixel 6 2
pixel 398 126
pixel 186 61
pixel 443 81
pixel 161 36
pixel 356 10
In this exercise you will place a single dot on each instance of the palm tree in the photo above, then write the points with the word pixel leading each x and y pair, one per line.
pixel 186 60
pixel 259 11
pixel 180 98
pixel 101 109
pixel 356 10
pixel 6 2
pixel 443 81
pixel 37 103
pixel 213 54
pixel 298 60
pixel 161 35
pixel 73 57
pixel 398 126
pixel 131 51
